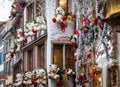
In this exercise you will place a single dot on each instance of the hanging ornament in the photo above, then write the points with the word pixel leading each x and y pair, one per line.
pixel 25 40
pixel 59 84
pixel 54 20
pixel 64 18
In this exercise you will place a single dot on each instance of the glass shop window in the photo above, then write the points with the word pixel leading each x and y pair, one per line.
pixel 65 4
pixel 63 56
pixel 41 56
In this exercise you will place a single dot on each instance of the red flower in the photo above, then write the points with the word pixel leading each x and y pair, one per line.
pixel 63 26
pixel 64 18
pixel 72 15
pixel 25 40
pixel 54 20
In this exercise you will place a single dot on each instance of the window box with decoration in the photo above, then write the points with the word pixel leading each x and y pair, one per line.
pixel 17 7
pixel 63 16
pixel 63 60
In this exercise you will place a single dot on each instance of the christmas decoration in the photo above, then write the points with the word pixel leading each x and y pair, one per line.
pixel 39 77
pixel 34 26
pixel 19 79
pixel 74 39
pixel 16 8
pixel 62 19
pixel 53 70
pixel 27 78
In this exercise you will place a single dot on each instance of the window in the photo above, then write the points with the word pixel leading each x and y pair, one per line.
pixel 7 71
pixel 40 8
pixel 65 4
pixel 63 56
pixel 30 12
pixel 113 76
pixel 41 56
pixel 30 60
pixel 9 67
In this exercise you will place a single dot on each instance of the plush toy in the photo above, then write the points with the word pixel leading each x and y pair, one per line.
pixel 43 78
pixel 59 14
pixel 27 78
pixel 40 77
pixel 40 24
pixel 19 79
pixel 30 31
pixel 60 11
pixel 53 70
pixel 20 35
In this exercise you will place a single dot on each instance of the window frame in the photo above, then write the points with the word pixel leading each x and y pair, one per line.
pixel 41 64
pixel 68 5
pixel 30 57
pixel 63 49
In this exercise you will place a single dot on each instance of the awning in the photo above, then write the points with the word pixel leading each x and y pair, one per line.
pixel 3 77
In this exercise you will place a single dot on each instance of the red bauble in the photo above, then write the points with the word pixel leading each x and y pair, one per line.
pixel 76 32
pixel 43 84
pixel 63 25
pixel 11 54
pixel 20 32
pixel 34 82
pixel 54 20
pixel 75 59
pixel 65 70
pixel 13 14
pixel 15 49
pixel 72 15
pixel 25 40
pixel 59 84
pixel 64 18
pixel 33 31
pixel 89 55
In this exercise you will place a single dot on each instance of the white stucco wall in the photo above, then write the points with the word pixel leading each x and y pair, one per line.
pixel 54 33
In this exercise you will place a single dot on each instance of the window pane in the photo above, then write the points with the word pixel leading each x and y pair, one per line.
pixel 69 62
pixel 30 13
pixel 30 60
pixel 41 58
pixel 57 55
pixel 63 4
